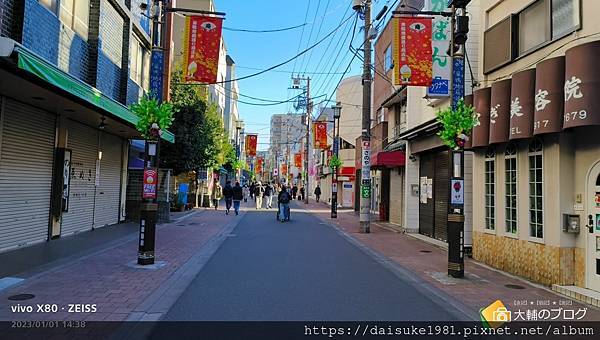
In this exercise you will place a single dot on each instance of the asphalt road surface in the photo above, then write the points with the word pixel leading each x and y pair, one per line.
pixel 301 270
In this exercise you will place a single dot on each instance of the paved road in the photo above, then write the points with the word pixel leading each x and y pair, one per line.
pixel 300 270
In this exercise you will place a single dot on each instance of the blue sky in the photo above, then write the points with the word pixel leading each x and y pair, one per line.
pixel 256 51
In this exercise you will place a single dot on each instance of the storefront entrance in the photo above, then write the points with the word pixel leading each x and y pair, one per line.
pixel 593 246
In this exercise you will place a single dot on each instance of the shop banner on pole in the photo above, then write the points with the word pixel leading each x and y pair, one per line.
pixel 202 43
pixel 320 133
pixel 259 166
pixel 298 160
pixel 251 143
pixel 440 40
pixel 284 169
pixel 413 51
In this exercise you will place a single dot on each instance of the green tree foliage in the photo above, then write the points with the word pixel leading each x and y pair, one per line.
pixel 198 130
pixel 150 112
pixel 456 124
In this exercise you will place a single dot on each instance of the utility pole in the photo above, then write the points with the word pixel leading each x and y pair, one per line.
pixel 308 121
pixel 365 183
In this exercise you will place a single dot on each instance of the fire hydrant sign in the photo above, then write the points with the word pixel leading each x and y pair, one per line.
pixel 150 183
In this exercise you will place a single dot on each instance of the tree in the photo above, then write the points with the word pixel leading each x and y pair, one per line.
pixel 197 127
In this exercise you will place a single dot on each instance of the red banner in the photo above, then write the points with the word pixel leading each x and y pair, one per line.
pixel 413 51
pixel 284 169
pixel 202 44
pixel 251 143
pixel 320 135
pixel 259 166
pixel 298 160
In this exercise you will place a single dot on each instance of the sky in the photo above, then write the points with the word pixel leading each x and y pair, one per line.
pixel 253 52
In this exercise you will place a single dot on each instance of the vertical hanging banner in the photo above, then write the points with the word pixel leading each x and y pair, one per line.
pixel 251 143
pixel 259 165
pixel 440 40
pixel 298 160
pixel 284 169
pixel 320 135
pixel 202 44
pixel 157 74
pixel 414 51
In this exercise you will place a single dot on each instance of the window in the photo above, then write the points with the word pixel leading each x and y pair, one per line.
pixel 510 163
pixel 49 4
pixel 140 64
pixel 546 20
pixel 536 211
pixel 490 189
pixel 75 15
pixel 388 61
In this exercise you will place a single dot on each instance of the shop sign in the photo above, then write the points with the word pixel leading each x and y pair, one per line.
pixel 457 190
pixel 549 96
pixel 150 183
pixel 581 86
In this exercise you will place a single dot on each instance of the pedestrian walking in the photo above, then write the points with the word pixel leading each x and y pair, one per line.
pixel 294 191
pixel 318 193
pixel 228 194
pixel 238 195
pixel 283 201
pixel 269 192
pixel 301 197
pixel 217 194
pixel 246 192
pixel 252 188
pixel 258 194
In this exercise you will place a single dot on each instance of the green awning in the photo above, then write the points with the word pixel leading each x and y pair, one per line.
pixel 53 75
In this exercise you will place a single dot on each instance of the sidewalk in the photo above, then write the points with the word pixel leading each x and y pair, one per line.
pixel 111 280
pixel 480 287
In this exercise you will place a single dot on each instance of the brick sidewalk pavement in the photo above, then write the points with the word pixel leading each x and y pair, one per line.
pixel 481 285
pixel 110 279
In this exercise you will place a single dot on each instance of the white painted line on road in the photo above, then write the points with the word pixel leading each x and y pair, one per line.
pixel 7 282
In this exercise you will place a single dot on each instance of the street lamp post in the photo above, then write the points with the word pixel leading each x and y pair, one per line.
pixel 337 111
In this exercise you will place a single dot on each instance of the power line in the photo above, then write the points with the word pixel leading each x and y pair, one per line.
pixel 264 31
pixel 302 35
pixel 283 71
pixel 310 35
pixel 288 60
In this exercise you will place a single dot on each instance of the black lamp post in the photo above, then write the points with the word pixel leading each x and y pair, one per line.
pixel 337 112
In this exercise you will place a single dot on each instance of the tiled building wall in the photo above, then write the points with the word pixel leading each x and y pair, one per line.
pixel 110 51
pixel 537 262
pixel 7 15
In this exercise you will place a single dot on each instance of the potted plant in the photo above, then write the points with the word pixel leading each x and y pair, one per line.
pixel 457 124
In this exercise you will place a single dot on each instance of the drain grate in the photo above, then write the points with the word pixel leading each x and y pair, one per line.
pixel 21 297
pixel 425 251
pixel 512 286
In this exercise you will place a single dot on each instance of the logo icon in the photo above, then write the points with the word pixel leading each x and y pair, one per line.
pixel 495 315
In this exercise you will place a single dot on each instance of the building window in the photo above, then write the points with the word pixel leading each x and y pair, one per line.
pixel 510 163
pixel 490 189
pixel 140 64
pixel 75 15
pixel 49 4
pixel 546 20
pixel 388 61
pixel 536 183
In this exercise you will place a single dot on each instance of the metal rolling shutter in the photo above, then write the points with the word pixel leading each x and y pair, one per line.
pixel 441 193
pixel 26 157
pixel 108 194
pixel 83 141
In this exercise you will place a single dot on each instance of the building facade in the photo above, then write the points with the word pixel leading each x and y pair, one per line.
pixel 67 71
pixel 537 157
pixel 287 134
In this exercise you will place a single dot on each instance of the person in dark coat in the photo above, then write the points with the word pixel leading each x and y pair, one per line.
pixel 301 197
pixel 228 194
pixel 238 196
pixel 294 191
pixel 318 193
pixel 252 187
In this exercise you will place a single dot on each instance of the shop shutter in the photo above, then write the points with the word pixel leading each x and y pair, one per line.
pixel 441 188
pixel 26 160
pixel 83 141
pixel 108 193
